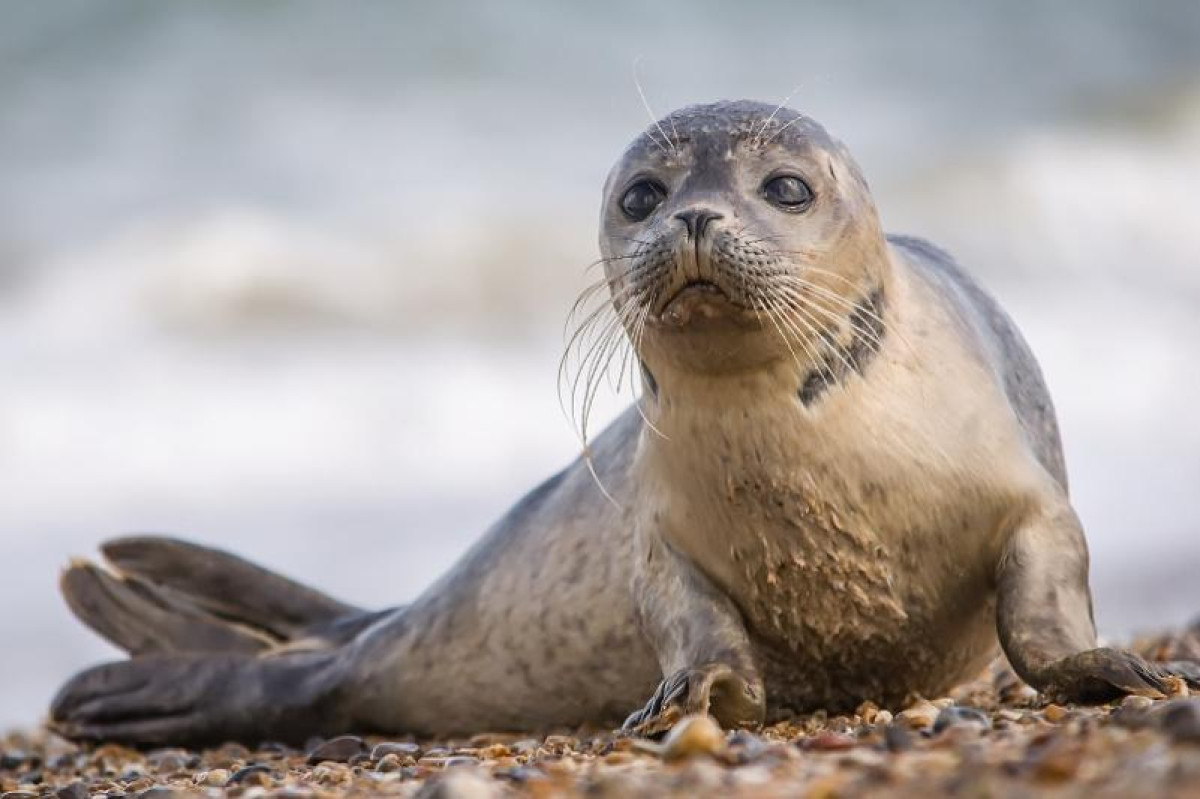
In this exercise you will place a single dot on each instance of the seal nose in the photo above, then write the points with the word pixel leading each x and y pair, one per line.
pixel 696 219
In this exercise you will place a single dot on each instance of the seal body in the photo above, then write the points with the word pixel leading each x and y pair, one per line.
pixel 843 482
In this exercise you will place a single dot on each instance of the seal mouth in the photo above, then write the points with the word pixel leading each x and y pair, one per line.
pixel 694 288
pixel 696 300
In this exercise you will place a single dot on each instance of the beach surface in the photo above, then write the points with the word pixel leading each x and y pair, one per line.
pixel 991 737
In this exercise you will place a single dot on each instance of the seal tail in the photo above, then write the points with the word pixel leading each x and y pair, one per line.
pixel 163 595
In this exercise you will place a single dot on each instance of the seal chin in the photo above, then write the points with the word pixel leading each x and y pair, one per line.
pixel 697 301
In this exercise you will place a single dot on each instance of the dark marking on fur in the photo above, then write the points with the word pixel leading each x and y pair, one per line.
pixel 867 330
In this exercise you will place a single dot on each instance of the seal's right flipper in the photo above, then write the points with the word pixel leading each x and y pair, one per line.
pixel 204 699
pixel 702 644
pixel 227 586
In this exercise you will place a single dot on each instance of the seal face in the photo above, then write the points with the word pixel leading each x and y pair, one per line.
pixel 723 220
pixel 844 482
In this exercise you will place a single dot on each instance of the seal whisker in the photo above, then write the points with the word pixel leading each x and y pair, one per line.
pixel 858 328
pixel 793 315
pixel 584 333
pixel 762 130
pixel 854 309
pixel 775 315
pixel 798 307
pixel 653 117
pixel 784 127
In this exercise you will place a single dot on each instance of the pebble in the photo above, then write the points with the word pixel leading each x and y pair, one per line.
pixel 338 750
pixel 76 790
pixel 955 716
pixel 12 759
pixel 402 749
pixel 458 784
pixel 919 716
pixel 389 762
pixel 169 761
pixel 694 735
pixel 1180 719
pixel 257 774
pixel 897 738
pixel 1055 713
pixel 216 778
pixel 1134 702
pixel 158 792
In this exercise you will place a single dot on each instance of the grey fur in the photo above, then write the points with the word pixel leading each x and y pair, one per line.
pixel 776 542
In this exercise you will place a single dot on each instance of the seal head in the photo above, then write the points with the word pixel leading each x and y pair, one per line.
pixel 734 233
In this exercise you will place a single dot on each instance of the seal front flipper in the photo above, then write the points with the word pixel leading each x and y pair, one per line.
pixel 204 699
pixel 701 643
pixel 1044 617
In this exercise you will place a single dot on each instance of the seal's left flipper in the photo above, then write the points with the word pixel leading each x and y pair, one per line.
pixel 1044 618
pixel 199 699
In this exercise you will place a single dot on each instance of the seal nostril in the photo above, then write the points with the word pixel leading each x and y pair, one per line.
pixel 696 220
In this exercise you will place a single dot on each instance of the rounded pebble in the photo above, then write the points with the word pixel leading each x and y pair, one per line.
pixel 338 750
pixel 694 735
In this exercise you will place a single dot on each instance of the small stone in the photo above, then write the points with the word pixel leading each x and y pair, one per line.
pixel 493 752
pixel 1180 719
pixel 1055 713
pixel 216 778
pixel 1177 687
pixel 919 716
pixel 694 735
pixel 461 760
pixel 338 750
pixel 897 738
pixel 526 746
pixel 883 717
pixel 158 792
pixel 76 790
pixel 868 712
pixel 560 742
pixel 829 742
pixel 12 759
pixel 1056 760
pixel 401 748
pixel 18 795
pixel 256 774
pixel 168 761
pixel 747 746
pixel 458 784
pixel 959 716
pixel 389 763
pixel 1135 702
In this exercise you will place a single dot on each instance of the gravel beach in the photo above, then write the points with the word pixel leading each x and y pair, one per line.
pixel 991 737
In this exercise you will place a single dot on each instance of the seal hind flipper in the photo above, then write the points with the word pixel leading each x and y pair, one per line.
pixel 142 619
pixel 227 586
pixel 199 699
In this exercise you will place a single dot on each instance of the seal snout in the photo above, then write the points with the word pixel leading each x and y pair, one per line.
pixel 696 220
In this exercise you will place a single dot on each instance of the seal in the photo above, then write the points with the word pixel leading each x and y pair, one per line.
pixel 843 481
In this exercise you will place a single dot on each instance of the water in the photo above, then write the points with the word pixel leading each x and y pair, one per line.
pixel 290 279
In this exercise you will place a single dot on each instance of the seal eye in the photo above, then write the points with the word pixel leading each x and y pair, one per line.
pixel 641 199
pixel 788 193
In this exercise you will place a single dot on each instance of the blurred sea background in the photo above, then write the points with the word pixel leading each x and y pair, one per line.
pixel 290 278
